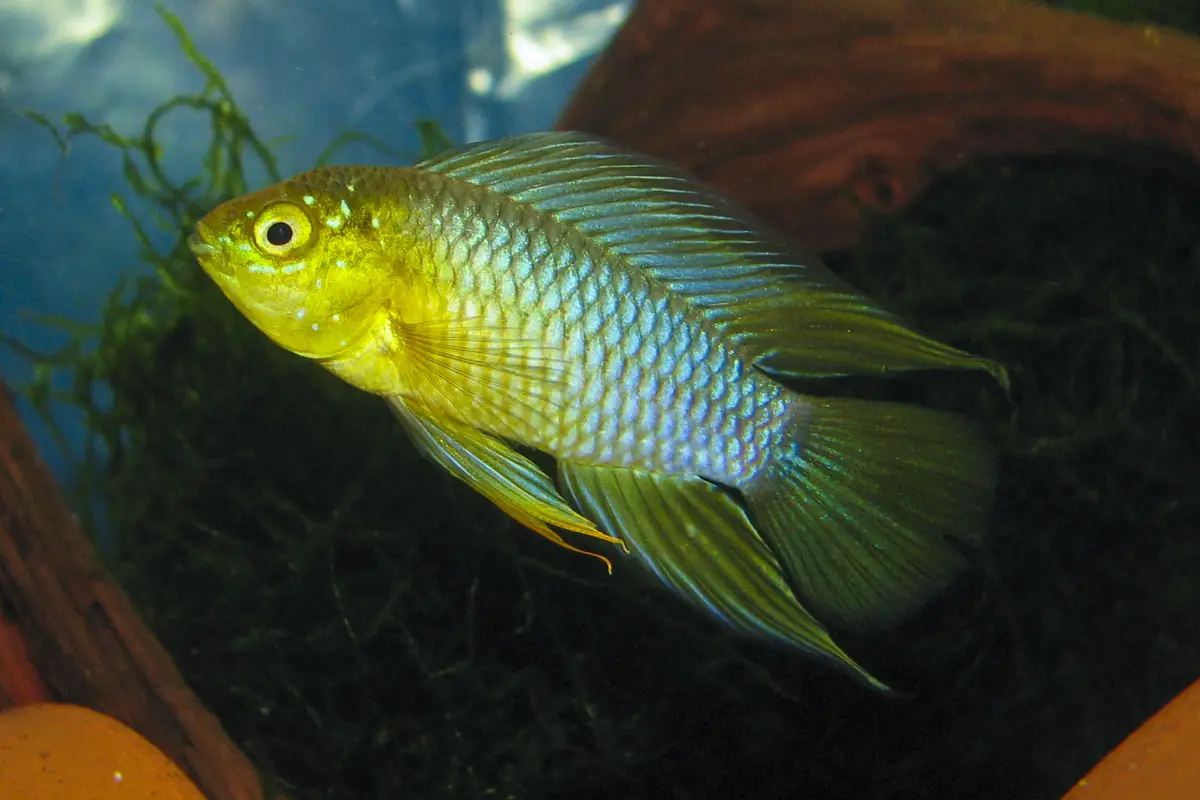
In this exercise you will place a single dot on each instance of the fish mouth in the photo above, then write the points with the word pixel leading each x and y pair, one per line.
pixel 198 242
pixel 199 247
pixel 208 254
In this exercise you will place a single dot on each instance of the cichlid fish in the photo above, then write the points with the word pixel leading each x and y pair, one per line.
pixel 554 292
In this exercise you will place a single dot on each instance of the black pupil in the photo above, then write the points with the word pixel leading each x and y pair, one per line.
pixel 279 234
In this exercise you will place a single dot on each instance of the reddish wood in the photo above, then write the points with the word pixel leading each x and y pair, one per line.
pixel 20 683
pixel 811 111
pixel 83 634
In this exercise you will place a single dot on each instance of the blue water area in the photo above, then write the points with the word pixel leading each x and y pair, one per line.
pixel 304 71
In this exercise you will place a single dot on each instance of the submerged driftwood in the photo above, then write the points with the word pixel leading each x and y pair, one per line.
pixel 813 112
pixel 83 636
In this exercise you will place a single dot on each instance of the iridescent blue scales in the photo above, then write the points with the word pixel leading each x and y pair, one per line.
pixel 602 364
pixel 554 292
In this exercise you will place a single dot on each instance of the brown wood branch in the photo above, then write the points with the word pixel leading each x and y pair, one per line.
pixel 87 642
pixel 812 112
pixel 20 682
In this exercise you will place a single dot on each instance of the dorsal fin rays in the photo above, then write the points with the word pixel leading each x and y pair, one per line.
pixel 788 312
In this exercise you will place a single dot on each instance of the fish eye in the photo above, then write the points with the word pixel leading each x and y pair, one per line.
pixel 279 234
pixel 282 229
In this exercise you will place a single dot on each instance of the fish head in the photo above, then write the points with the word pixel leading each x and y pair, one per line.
pixel 302 259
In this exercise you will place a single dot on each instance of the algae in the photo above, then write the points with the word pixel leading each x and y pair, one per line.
pixel 1182 14
pixel 366 627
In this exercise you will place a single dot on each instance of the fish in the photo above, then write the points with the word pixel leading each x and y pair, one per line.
pixel 553 292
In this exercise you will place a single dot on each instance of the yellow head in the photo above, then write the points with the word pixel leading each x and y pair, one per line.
pixel 307 260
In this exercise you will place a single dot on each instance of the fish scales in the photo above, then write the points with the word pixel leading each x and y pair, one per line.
pixel 639 381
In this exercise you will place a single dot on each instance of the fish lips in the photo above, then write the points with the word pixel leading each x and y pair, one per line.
pixel 208 254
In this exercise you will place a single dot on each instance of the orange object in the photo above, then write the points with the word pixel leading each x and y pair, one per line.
pixel 50 751
pixel 1159 761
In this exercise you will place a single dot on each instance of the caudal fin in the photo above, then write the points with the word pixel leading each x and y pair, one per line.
pixel 869 503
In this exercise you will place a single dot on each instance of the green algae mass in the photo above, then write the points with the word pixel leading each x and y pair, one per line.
pixel 365 627
pixel 1182 14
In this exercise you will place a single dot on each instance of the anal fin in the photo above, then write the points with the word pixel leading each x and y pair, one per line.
pixel 699 542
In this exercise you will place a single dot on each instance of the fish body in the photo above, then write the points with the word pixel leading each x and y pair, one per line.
pixel 555 292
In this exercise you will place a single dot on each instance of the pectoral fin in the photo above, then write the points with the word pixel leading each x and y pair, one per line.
pixel 499 473
pixel 699 542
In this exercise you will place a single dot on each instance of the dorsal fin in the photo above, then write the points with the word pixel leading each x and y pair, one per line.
pixel 786 310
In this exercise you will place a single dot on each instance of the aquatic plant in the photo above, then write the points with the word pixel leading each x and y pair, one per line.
pixel 365 627
pixel 1175 13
